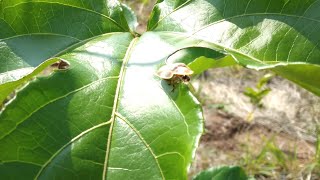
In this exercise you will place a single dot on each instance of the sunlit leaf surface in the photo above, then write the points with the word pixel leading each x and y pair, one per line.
pixel 107 116
pixel 260 34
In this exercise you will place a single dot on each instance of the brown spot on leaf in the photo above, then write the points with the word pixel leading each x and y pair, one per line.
pixel 60 65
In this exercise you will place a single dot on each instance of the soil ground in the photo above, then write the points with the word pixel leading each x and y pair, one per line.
pixel 230 140
pixel 279 142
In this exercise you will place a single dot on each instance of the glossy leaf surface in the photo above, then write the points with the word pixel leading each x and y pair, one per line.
pixel 106 112
pixel 107 116
pixel 259 34
pixel 33 31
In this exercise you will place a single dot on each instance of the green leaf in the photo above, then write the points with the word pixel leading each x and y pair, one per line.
pixel 203 63
pixel 264 80
pixel 107 116
pixel 50 29
pixel 23 77
pixel 222 173
pixel 131 17
pixel 200 59
pixel 306 75
pixel 33 31
pixel 259 34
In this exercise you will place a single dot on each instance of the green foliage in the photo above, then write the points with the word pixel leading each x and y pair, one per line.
pixel 108 116
pixel 318 147
pixel 272 162
pixel 222 173
pixel 264 34
pixel 203 63
pixel 259 92
pixel 313 168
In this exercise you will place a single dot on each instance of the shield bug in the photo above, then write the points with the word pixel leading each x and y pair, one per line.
pixel 175 73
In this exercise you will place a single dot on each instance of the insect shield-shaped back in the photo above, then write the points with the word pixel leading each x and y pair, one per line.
pixel 175 73
pixel 169 70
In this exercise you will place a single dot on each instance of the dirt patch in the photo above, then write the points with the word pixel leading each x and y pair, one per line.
pixel 287 108
pixel 223 127
pixel 230 140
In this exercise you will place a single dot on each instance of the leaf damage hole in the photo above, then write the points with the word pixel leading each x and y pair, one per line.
pixel 7 101
pixel 60 65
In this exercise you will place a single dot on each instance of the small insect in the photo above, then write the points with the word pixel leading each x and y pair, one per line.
pixel 175 73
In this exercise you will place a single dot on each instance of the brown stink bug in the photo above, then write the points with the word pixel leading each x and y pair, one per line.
pixel 175 73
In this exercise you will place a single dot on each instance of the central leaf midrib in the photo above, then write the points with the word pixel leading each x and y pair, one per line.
pixel 116 100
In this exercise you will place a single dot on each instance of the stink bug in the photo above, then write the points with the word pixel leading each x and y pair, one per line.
pixel 175 73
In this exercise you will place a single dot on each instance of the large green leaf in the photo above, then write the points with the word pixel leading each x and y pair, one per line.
pixel 33 31
pixel 107 116
pixel 259 34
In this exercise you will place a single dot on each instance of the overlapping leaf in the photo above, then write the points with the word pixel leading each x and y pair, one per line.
pixel 258 33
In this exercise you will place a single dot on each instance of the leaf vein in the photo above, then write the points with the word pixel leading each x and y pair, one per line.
pixel 143 140
pixel 115 104
pixel 170 13
pixel 56 99
pixel 69 143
